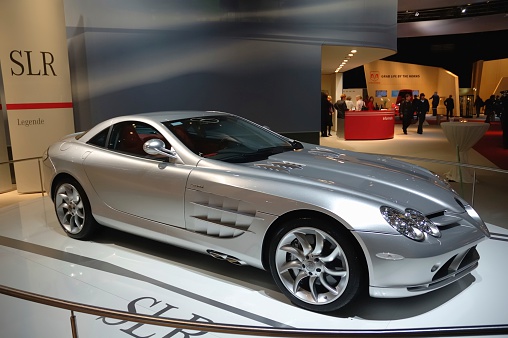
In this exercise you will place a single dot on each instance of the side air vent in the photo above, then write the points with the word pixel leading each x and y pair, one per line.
pixel 280 166
pixel 224 257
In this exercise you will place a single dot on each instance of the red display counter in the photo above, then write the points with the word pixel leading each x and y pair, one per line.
pixel 369 125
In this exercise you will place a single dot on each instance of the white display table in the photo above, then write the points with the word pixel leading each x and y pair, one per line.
pixel 463 135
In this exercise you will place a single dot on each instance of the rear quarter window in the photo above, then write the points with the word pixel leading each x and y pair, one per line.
pixel 100 139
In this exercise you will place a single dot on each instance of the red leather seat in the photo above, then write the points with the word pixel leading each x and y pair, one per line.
pixel 183 136
pixel 130 141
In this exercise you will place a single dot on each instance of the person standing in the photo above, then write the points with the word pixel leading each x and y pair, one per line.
pixel 326 106
pixel 478 103
pixel 489 109
pixel 435 103
pixel 497 107
pixel 406 109
pixel 330 116
pixel 349 103
pixel 504 117
pixel 422 108
pixel 415 107
pixel 370 103
pixel 449 104
pixel 341 107
pixel 359 102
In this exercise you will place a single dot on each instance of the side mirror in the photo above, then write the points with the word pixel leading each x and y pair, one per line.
pixel 157 147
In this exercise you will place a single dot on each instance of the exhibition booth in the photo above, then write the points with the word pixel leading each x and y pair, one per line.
pixel 118 69
pixel 386 78
pixel 369 125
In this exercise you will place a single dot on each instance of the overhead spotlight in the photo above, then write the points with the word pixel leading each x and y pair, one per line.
pixel 463 10
pixel 353 51
pixel 417 13
pixel 350 54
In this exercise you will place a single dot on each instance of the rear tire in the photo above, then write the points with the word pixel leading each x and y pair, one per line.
pixel 315 264
pixel 73 209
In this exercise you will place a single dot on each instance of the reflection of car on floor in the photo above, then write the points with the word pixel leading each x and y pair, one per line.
pixel 327 223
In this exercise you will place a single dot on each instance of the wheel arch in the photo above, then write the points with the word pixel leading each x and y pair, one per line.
pixel 310 214
pixel 57 179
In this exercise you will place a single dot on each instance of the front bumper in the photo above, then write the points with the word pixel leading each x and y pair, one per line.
pixel 445 275
pixel 400 267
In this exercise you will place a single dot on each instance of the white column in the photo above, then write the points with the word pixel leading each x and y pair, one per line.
pixel 5 170
pixel 36 81
pixel 339 85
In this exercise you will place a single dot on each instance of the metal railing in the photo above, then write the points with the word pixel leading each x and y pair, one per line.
pixel 478 330
pixel 249 330
pixel 460 165
pixel 38 159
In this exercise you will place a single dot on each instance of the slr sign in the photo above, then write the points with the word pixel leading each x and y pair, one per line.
pixel 38 64
pixel 36 84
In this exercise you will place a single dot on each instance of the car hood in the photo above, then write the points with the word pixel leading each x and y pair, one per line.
pixel 370 176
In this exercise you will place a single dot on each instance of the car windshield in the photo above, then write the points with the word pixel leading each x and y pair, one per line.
pixel 229 138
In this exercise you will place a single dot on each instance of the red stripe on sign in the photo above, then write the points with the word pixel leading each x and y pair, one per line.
pixel 41 105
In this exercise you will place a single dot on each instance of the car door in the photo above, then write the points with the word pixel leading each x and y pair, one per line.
pixel 133 182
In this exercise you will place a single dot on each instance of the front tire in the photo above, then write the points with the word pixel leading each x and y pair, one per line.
pixel 315 264
pixel 73 210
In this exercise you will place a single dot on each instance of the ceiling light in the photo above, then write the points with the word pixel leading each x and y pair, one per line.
pixel 463 10
pixel 417 13
pixel 350 54
pixel 353 51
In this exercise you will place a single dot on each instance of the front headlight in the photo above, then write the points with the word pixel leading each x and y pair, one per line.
pixel 410 223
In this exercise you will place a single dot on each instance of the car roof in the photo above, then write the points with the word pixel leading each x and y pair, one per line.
pixel 155 117
pixel 164 116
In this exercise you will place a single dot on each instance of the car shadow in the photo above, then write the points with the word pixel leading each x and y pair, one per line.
pixel 364 307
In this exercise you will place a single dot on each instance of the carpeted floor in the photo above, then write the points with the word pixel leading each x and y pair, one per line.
pixel 491 146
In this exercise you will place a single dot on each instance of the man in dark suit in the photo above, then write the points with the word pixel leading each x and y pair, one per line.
pixel 504 117
pixel 422 108
pixel 489 109
pixel 449 107
pixel 406 110
pixel 435 103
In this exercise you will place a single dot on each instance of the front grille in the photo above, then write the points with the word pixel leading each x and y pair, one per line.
pixel 455 268
pixel 457 263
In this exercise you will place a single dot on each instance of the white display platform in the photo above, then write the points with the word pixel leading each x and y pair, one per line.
pixel 119 271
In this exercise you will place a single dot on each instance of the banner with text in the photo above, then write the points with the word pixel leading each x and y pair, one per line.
pixel 36 82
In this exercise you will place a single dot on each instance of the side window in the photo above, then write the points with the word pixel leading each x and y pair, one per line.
pixel 128 137
pixel 99 140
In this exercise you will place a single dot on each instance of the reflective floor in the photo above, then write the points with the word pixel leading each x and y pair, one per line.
pixel 128 273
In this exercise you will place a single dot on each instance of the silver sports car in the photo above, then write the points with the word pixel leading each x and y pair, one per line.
pixel 327 223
